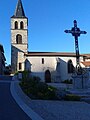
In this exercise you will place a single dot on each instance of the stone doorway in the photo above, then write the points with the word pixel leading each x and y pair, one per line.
pixel 47 76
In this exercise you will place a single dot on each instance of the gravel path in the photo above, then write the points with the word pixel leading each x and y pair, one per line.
pixel 61 110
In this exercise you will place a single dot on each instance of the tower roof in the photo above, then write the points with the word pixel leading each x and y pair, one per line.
pixel 19 11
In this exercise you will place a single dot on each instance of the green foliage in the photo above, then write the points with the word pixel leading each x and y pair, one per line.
pixel 38 90
pixel 25 75
pixel 67 81
pixel 72 97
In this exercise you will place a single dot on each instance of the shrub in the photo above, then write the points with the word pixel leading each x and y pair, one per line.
pixel 40 90
pixel 67 81
pixel 72 97
pixel 45 92
pixel 37 90
pixel 51 94
pixel 25 75
pixel 42 87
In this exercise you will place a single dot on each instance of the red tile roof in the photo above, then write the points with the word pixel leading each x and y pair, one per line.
pixel 86 63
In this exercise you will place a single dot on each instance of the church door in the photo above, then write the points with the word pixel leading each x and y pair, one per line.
pixel 47 76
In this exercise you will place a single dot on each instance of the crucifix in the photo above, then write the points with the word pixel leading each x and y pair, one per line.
pixel 76 32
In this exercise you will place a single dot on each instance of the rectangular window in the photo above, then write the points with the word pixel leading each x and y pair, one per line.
pixel 42 60
pixel 20 66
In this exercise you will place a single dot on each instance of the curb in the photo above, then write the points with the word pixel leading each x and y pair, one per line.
pixel 16 92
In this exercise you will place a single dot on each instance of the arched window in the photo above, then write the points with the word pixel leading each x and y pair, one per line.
pixel 16 25
pixel 21 25
pixel 19 39
pixel 70 67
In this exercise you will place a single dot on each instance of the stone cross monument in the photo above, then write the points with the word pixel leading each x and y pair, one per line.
pixel 76 32
pixel 80 78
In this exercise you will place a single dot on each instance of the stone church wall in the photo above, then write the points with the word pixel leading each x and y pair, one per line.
pixel 38 69
pixel 64 67
pixel 50 63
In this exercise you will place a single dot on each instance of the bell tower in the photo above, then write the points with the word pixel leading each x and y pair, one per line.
pixel 19 38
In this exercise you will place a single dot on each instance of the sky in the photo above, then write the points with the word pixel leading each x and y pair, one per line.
pixel 47 20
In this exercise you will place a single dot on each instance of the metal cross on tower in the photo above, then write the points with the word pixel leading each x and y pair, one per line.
pixel 76 32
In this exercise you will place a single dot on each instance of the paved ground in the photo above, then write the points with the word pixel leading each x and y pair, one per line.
pixel 9 110
pixel 37 109
pixel 56 110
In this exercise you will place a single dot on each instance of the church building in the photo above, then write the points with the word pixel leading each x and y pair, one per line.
pixel 49 66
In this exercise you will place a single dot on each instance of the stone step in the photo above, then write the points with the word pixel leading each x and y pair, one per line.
pixel 86 99
pixel 84 93
pixel 79 91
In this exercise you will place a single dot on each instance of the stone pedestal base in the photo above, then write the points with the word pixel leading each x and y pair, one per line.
pixel 80 81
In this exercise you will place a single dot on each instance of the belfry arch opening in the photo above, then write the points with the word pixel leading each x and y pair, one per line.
pixel 21 25
pixel 16 25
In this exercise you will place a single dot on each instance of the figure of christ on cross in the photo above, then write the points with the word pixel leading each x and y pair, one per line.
pixel 76 32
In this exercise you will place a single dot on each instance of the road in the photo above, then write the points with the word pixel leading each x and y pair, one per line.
pixel 9 110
